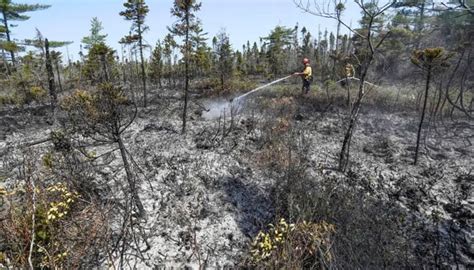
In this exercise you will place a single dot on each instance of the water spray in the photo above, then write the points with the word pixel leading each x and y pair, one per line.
pixel 260 88
pixel 217 108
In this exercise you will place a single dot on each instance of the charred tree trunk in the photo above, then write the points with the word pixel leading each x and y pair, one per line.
pixel 420 126
pixel 58 74
pixel 7 33
pixel 186 73
pixel 105 71
pixel 50 73
pixel 338 29
pixel 348 89
pixel 344 155
pixel 130 178
pixel 140 45
pixel 7 67
pixel 222 81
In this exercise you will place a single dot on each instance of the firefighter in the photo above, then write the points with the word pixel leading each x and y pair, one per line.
pixel 306 75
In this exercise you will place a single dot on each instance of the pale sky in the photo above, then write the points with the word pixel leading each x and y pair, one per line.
pixel 69 20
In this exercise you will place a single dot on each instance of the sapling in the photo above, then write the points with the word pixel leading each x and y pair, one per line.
pixel 429 60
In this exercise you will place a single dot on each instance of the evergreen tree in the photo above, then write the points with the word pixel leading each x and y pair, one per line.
pixel 99 66
pixel 95 36
pixel 187 22
pixel 255 59
pixel 239 63
pixel 136 11
pixel 278 43
pixel 200 52
pixel 14 12
pixel 224 56
pixel 156 64
pixel 39 43
pixel 168 49
pixel 306 46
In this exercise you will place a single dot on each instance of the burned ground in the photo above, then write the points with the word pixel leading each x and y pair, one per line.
pixel 209 192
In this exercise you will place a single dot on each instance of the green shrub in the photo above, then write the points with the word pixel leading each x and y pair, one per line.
pixel 304 245
pixel 212 87
pixel 7 100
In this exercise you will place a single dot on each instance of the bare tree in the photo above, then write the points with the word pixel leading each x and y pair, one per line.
pixel 49 70
pixel 429 60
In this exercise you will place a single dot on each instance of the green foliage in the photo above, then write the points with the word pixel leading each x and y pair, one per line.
pixel 53 204
pixel 224 58
pixel 431 58
pixel 10 46
pixel 14 12
pixel 455 27
pixel 37 93
pixel 156 64
pixel 293 246
pixel 104 113
pixel 39 40
pixel 377 23
pixel 169 44
pixel 200 54
pixel 277 45
pixel 48 160
pixel 95 37
pixel 212 87
pixel 99 61
pixel 187 21
pixel 24 86
pixel 135 11
pixel 340 7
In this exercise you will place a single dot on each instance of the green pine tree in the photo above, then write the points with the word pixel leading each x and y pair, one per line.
pixel 14 12
pixel 187 22
pixel 95 37
pixel 136 11
pixel 224 57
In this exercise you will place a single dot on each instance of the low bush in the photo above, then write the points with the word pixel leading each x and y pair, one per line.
pixel 64 231
pixel 212 87
pixel 303 245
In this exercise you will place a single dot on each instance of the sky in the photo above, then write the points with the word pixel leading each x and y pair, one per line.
pixel 69 20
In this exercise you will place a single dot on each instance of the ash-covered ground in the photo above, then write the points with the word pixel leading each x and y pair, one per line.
pixel 208 192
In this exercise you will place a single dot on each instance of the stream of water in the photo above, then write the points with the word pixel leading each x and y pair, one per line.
pixel 223 107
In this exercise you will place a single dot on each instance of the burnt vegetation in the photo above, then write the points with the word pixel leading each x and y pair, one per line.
pixel 135 159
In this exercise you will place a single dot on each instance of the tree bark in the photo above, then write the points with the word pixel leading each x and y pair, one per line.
pixel 7 68
pixel 338 29
pixel 130 178
pixel 186 72
pixel 50 73
pixel 59 76
pixel 104 68
pixel 140 45
pixel 344 155
pixel 7 32
pixel 420 126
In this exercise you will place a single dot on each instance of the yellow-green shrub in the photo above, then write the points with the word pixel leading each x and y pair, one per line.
pixel 64 228
pixel 7 100
pixel 293 246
